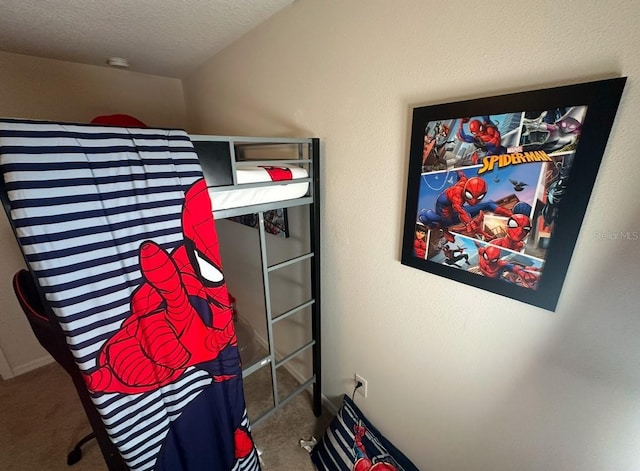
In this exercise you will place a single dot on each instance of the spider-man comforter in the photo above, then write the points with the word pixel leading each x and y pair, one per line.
pixel 117 226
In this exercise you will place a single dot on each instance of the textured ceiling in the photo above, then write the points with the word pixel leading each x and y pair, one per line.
pixel 161 37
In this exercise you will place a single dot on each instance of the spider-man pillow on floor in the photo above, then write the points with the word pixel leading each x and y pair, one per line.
pixel 352 443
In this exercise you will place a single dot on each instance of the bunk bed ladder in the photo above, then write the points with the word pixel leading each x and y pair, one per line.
pixel 313 303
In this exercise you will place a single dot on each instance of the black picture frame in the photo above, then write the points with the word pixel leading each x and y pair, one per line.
pixel 535 155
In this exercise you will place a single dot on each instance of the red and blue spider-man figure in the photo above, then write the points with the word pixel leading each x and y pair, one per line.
pixel 364 462
pixel 492 266
pixel 461 202
pixel 485 135
pixel 518 228
pixel 181 317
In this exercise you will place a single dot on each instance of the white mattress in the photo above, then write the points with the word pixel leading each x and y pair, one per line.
pixel 238 198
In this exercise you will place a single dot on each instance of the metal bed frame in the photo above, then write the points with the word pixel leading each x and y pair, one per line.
pixel 219 157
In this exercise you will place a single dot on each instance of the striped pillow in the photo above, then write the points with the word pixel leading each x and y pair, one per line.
pixel 352 443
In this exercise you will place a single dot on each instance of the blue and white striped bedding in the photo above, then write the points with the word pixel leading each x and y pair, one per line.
pixel 83 199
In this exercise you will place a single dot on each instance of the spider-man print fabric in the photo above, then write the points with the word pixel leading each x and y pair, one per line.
pixel 116 224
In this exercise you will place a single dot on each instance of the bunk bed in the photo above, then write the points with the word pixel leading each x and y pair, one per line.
pixel 229 166
pixel 238 185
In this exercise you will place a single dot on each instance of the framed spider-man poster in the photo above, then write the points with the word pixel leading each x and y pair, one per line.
pixel 497 187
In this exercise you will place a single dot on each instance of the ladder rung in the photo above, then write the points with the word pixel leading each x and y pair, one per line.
pixel 256 366
pixel 291 261
pixel 293 354
pixel 271 162
pixel 272 411
pixel 292 311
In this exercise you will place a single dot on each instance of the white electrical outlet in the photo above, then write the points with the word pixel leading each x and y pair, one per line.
pixel 362 389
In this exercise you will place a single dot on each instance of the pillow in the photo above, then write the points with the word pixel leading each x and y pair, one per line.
pixel 352 443
pixel 123 120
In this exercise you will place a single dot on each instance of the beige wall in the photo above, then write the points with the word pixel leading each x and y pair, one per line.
pixel 459 378
pixel 48 89
pixel 65 91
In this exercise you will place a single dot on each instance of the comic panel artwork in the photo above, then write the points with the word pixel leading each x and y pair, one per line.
pixel 275 222
pixel 489 190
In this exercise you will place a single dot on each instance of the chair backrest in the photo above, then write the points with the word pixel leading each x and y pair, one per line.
pixel 25 289
pixel 51 337
pixel 43 326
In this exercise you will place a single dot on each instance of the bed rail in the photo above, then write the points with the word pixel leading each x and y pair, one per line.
pixel 221 157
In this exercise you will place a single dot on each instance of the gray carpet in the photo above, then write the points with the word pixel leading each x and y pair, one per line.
pixel 41 419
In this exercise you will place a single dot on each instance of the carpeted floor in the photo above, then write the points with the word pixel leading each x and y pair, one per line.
pixel 41 419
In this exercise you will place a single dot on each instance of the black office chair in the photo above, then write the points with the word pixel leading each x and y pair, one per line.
pixel 51 337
